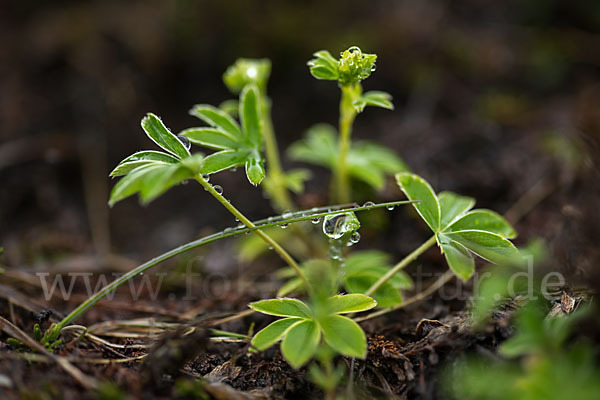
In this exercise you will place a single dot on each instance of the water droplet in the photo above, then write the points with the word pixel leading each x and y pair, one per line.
pixel 373 68
pixel 233 169
pixel 206 177
pixel 355 237
pixel 218 189
pixel 184 141
pixel 390 207
pixel 335 226
pixel 287 214
pixel 316 220
pixel 270 247
pixel 270 219
pixel 227 230
pixel 283 226
pixel 237 219
pixel 369 204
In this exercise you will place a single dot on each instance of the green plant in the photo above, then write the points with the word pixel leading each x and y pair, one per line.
pixel 352 67
pixel 538 364
pixel 315 326
pixel 302 327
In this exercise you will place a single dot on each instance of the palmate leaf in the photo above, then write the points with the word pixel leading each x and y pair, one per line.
pixel 237 145
pixel 366 161
pixel 460 232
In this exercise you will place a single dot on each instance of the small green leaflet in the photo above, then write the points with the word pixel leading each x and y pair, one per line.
pixel 235 145
pixel 460 233
pixel 373 98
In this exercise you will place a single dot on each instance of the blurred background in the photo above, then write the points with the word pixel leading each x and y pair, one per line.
pixel 492 98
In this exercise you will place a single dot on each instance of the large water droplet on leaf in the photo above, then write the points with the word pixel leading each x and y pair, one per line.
pixel 184 141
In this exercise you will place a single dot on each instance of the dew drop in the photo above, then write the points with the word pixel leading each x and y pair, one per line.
pixel 218 189
pixel 355 237
pixel 283 226
pixel 390 207
pixel 206 177
pixel 316 220
pixel 287 214
pixel 184 141
pixel 335 226
pixel 369 204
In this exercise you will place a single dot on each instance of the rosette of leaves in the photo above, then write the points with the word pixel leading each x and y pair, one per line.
pixel 460 231
pixel 301 329
pixel 150 173
pixel 361 270
pixel 367 162
pixel 236 144
pixel 352 67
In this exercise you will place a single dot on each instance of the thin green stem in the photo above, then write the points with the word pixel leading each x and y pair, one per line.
pixel 341 180
pixel 402 264
pixel 276 187
pixel 229 232
pixel 242 218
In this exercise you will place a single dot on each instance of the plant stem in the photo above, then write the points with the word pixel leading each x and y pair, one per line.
pixel 89 303
pixel 341 181
pixel 277 189
pixel 402 264
pixel 242 218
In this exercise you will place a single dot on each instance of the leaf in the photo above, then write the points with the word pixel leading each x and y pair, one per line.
pixel 272 333
pixel 373 98
pixel 217 119
pixel 350 303
pixel 300 342
pixel 212 138
pixel 487 245
pixel 416 188
pixel 344 336
pixel 285 307
pixel 255 171
pixel 223 160
pixel 324 66
pixel 160 135
pixel 250 115
pixel 484 220
pixel 231 107
pixel 453 206
pixel 386 296
pixel 131 183
pixel 319 146
pixel 459 259
pixel 142 158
